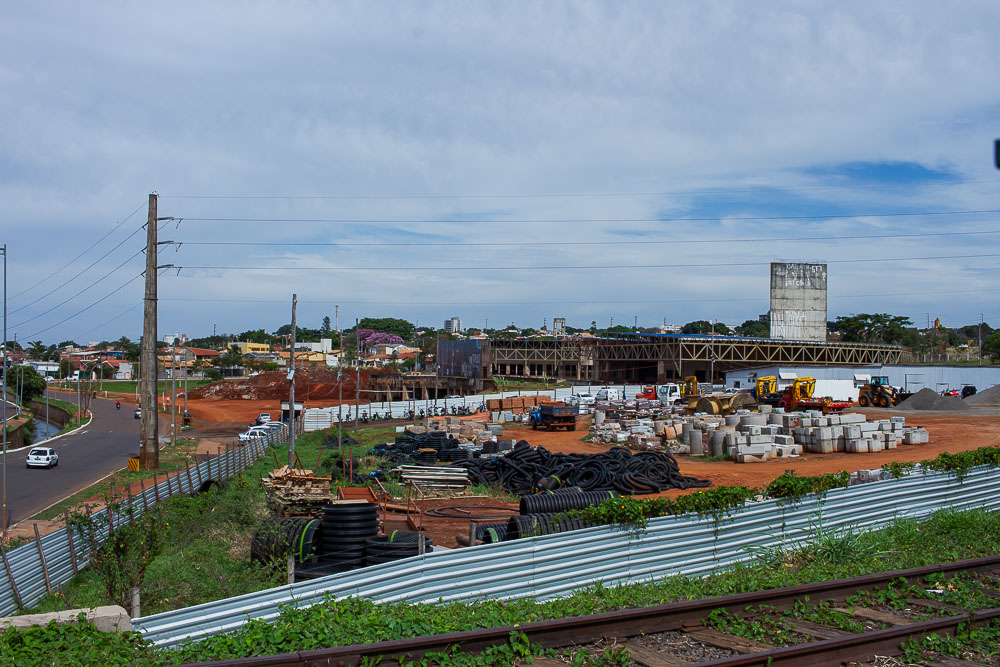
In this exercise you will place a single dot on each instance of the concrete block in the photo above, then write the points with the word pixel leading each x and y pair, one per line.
pixel 751 429
pixel 898 420
pixel 732 420
pixel 859 446
pixel 785 451
pixel 876 446
pixel 784 440
pixel 777 420
pixel 686 433
pixel 696 443
pixel 718 443
pixel 823 446
pixel 749 458
pixel 760 439
pixel 765 409
pixel 110 618
pixel 852 432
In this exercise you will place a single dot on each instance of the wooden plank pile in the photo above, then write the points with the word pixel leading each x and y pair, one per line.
pixel 296 492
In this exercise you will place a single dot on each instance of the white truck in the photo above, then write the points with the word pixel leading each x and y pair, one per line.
pixel 607 394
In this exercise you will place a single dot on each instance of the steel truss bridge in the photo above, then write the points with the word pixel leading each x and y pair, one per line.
pixel 664 357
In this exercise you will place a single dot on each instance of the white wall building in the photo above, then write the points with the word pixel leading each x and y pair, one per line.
pixel 453 325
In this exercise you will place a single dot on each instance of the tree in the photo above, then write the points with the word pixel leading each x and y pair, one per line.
pixel 326 327
pixel 36 350
pixel 67 343
pixel 754 329
pixel 697 327
pixel 721 329
pixel 991 346
pixel 65 368
pixel 367 337
pixel 27 378
pixel 872 328
pixel 389 325
pixel 620 328
pixel 51 353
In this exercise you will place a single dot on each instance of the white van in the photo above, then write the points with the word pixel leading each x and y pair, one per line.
pixel 606 394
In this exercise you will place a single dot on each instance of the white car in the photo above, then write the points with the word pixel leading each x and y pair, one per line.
pixel 580 399
pixel 254 433
pixel 42 457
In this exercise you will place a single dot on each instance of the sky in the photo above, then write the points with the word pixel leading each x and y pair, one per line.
pixel 500 162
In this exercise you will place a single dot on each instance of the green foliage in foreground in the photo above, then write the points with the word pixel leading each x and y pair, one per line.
pixel 906 543
pixel 635 512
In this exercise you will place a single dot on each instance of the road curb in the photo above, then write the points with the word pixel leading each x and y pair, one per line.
pixel 55 437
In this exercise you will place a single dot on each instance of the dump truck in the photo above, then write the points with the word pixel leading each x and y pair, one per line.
pixel 551 415
pixel 667 393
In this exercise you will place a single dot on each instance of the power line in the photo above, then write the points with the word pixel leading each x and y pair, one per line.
pixel 106 322
pixel 68 299
pixel 588 243
pixel 400 221
pixel 410 302
pixel 86 308
pixel 564 267
pixel 95 244
pixel 44 296
pixel 705 191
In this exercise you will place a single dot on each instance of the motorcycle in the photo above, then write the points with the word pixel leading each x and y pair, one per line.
pixel 118 405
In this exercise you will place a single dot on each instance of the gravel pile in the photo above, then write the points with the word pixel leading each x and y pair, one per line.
pixel 928 399
pixel 990 396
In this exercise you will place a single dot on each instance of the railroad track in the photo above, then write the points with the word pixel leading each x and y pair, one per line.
pixel 823 623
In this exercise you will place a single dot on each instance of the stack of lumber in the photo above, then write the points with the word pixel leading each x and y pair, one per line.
pixel 292 492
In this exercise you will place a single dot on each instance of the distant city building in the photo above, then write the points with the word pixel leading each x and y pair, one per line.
pixel 453 325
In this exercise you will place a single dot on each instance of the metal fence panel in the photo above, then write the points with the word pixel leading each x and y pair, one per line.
pixel 26 565
pixel 555 565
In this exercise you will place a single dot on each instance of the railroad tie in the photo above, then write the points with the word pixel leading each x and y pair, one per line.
pixel 953 610
pixel 647 657
pixel 873 615
pixel 714 637
pixel 817 631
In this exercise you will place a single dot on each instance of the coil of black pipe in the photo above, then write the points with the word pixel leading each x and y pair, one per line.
pixel 280 536
pixel 530 525
pixel 553 503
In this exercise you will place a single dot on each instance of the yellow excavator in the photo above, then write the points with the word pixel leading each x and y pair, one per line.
pixel 712 404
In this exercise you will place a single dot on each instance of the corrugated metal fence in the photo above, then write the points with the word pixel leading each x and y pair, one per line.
pixel 555 565
pixel 22 574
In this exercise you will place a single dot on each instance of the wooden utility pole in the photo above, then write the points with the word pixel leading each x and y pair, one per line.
pixel 149 455
pixel 357 377
pixel 291 389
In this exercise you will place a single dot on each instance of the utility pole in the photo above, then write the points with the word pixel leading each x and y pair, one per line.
pixel 291 389
pixel 3 399
pixel 340 383
pixel 173 394
pixel 981 321
pixel 149 455
pixel 357 377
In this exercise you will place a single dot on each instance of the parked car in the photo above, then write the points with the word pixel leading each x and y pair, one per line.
pixel 138 413
pixel 42 457
pixel 253 433
pixel 453 397
pixel 263 418
pixel 607 394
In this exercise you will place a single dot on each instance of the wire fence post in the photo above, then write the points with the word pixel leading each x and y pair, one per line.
pixel 41 556
pixel 188 471
pixel 136 610
pixel 69 538
pixel 156 488
pixel 145 503
pixel 290 566
pixel 197 469
pixel 10 576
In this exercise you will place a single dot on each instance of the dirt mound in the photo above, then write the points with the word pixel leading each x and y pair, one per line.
pixel 989 396
pixel 310 383
pixel 928 399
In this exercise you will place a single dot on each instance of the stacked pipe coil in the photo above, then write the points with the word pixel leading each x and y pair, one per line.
pixel 553 503
pixel 526 469
pixel 382 550
pixel 491 532
pixel 346 529
pixel 542 524
pixel 280 536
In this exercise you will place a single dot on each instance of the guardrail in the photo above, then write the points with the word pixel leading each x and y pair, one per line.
pixel 555 565
pixel 32 570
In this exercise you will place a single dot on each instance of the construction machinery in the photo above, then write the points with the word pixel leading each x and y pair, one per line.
pixel 799 396
pixel 712 404
pixel 879 393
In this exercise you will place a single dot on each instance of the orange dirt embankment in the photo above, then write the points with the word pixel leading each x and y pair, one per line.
pixel 310 383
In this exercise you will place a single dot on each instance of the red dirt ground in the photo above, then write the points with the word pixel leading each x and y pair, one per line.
pixel 274 385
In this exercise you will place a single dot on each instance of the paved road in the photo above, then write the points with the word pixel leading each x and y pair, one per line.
pixel 84 457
